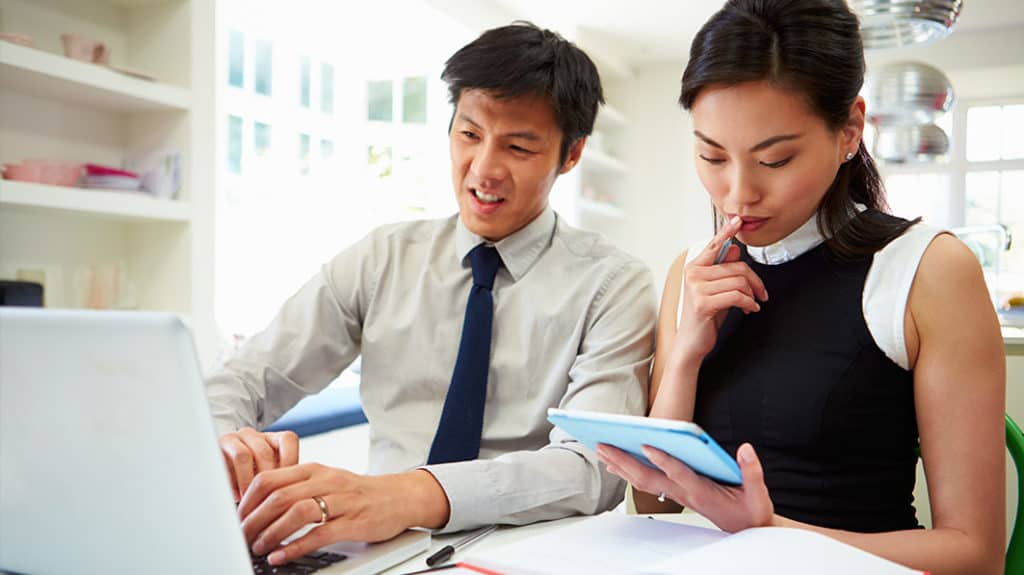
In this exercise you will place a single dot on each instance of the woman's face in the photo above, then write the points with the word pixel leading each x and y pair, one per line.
pixel 763 155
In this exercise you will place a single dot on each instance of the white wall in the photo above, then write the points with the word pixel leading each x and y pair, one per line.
pixel 668 209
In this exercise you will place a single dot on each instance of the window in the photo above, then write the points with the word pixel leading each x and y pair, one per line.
pixel 326 149
pixel 263 67
pixel 261 139
pixel 236 59
pixel 979 192
pixel 336 151
pixel 235 144
pixel 379 101
pixel 304 145
pixel 327 88
pixel 414 100
pixel 305 71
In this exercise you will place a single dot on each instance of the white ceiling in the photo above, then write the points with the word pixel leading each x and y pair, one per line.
pixel 654 30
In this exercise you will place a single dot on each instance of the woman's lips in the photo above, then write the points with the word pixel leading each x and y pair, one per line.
pixel 752 224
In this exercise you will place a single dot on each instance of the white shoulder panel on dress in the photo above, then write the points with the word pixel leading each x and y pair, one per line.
pixel 691 253
pixel 887 288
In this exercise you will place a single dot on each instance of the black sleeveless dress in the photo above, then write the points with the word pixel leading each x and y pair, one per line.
pixel 830 415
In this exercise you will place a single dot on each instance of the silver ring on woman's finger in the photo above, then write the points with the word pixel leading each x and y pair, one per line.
pixel 661 497
pixel 324 513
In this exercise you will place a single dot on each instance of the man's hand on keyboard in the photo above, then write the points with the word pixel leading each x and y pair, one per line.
pixel 248 452
pixel 355 508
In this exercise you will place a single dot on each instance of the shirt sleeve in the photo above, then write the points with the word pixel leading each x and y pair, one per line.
pixel 610 374
pixel 313 337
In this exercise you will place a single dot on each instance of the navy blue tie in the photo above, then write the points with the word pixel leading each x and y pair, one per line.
pixel 462 420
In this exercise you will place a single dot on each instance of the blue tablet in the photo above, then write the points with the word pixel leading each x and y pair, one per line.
pixel 683 440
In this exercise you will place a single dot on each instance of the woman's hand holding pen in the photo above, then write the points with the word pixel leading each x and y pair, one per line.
pixel 714 281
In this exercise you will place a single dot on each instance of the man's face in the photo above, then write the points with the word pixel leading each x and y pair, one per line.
pixel 505 156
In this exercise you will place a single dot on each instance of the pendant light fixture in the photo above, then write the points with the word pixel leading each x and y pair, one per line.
pixel 892 23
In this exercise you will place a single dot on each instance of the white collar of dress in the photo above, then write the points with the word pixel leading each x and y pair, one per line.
pixel 800 241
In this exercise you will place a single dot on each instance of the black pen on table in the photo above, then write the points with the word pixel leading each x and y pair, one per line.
pixel 448 550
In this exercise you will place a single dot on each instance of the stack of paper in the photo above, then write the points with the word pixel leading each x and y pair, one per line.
pixel 638 545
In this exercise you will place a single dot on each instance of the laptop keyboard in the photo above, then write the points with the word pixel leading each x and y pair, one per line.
pixel 301 566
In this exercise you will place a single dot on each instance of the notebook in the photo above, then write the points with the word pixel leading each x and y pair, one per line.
pixel 639 545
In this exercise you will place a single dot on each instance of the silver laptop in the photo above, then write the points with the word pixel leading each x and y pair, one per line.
pixel 109 461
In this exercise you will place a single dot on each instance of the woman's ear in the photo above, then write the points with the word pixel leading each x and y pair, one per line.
pixel 852 132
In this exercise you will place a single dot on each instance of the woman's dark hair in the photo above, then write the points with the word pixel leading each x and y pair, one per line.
pixel 521 59
pixel 811 48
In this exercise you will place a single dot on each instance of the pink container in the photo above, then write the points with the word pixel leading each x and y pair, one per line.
pixel 84 49
pixel 49 172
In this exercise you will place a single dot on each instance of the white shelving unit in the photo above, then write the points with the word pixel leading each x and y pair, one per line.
pixel 592 195
pixel 113 205
pixel 45 75
pixel 595 160
pixel 56 108
pixel 601 209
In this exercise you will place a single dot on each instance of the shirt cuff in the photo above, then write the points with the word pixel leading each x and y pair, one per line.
pixel 222 427
pixel 470 493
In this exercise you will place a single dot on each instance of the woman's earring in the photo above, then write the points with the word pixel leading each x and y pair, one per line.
pixel 849 156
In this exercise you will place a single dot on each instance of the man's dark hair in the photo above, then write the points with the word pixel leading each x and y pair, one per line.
pixel 523 60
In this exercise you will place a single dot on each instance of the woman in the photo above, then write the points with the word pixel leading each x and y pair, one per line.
pixel 833 339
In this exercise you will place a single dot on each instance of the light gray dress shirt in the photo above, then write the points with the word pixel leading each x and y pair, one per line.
pixel 573 328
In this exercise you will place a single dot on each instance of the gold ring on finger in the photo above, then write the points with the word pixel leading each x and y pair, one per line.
pixel 324 513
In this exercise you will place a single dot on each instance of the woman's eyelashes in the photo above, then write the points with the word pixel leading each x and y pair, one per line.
pixel 777 164
pixel 773 165
pixel 712 161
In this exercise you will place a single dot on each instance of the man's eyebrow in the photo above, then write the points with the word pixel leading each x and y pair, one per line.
pixel 523 135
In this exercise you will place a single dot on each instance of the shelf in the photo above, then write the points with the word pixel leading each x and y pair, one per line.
pixel 600 208
pixel 610 118
pixel 46 75
pixel 598 161
pixel 108 204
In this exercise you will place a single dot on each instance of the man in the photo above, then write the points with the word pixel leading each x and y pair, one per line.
pixel 469 329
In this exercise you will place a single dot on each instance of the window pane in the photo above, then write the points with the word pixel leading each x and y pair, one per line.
pixel 1013 132
pixel 236 59
pixel 414 100
pixel 235 144
pixel 982 198
pixel 304 145
pixel 304 73
pixel 261 139
pixel 327 88
pixel 1011 215
pixel 263 63
pixel 984 134
pixel 379 101
pixel 920 195
pixel 326 149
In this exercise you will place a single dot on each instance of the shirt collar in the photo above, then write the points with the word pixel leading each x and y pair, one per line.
pixel 802 240
pixel 518 251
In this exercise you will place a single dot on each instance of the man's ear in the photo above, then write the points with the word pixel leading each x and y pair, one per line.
pixel 573 157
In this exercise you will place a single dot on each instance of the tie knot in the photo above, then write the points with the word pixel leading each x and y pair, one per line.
pixel 485 262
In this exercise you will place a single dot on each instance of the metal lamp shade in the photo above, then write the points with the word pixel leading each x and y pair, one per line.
pixel 908 94
pixel 892 23
pixel 911 144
